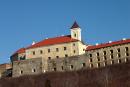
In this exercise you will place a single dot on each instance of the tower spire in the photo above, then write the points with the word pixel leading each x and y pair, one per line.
pixel 75 25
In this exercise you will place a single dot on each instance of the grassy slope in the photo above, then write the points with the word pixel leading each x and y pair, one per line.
pixel 111 76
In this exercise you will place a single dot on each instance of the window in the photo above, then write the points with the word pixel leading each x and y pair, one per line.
pixel 33 52
pixel 49 50
pixel 57 57
pixel 118 50
pixel 57 50
pixel 65 48
pixel 91 65
pixel 62 67
pixel 66 55
pixel 111 51
pixel 49 58
pixel 54 69
pixel 127 54
pixel 98 59
pixel 126 49
pixel 74 35
pixel 33 70
pixel 90 55
pixel 41 51
pixel 21 72
pixel 118 55
pixel 97 54
pixel 98 65
pixel 112 62
pixel 90 60
pixel 104 52
pixel 111 56
pixel 71 66
pixel 83 64
pixel 119 61
pixel 73 44
pixel 74 51
pixel 105 58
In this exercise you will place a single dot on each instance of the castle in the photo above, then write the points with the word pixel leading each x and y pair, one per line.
pixel 66 53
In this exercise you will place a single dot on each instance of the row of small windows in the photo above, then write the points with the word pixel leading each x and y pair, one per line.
pixel 105 58
pixel 49 50
pixel 84 65
pixel 92 65
pixel 33 70
pixel 111 53
pixel 105 63
pixel 71 67
pixel 66 55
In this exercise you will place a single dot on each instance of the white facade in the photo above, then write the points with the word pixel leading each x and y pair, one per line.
pixel 57 50
pixel 76 33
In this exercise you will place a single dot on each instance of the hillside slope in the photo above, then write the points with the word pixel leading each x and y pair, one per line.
pixel 111 76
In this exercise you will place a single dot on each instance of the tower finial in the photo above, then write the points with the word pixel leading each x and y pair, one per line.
pixel 75 25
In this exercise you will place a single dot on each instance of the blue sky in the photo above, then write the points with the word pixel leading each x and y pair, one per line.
pixel 24 21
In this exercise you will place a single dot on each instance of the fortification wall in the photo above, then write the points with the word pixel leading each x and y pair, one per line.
pixel 66 64
pixel 27 67
pixel 91 59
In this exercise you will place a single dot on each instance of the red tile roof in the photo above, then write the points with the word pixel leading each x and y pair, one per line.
pixel 21 50
pixel 94 47
pixel 75 25
pixel 52 41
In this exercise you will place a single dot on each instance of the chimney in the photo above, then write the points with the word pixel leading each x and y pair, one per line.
pixel 110 41
pixel 124 39
pixel 97 44
pixel 33 42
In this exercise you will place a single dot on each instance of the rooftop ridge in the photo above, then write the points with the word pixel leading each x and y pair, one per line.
pixel 52 41
pixel 103 45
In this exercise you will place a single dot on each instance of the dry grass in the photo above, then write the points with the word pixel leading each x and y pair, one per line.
pixel 111 76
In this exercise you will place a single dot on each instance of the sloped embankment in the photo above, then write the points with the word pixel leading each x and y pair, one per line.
pixel 111 76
